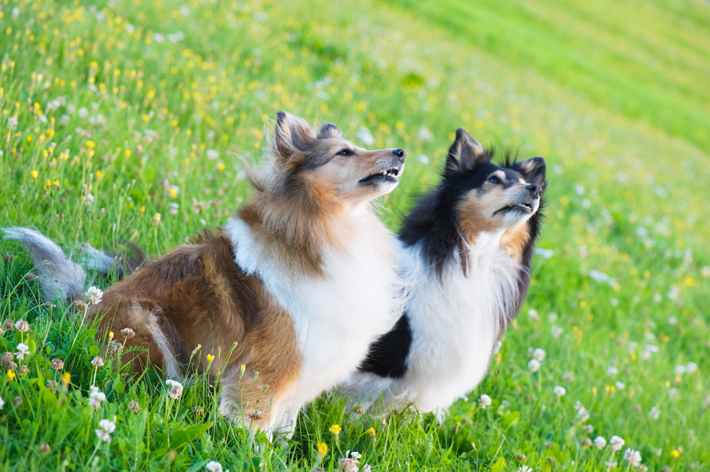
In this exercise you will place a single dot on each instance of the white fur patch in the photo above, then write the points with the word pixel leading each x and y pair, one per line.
pixel 336 316
pixel 455 323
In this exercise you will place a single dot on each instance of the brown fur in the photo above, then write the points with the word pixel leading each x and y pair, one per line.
pixel 196 301
pixel 198 296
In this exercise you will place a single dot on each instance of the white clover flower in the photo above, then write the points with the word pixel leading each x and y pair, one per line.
pixel 620 385
pixel 632 457
pixel 96 397
pixel 22 351
pixel 355 455
pixel 12 123
pixel 559 391
pixel 655 413
pixel 214 466
pixel 22 326
pixel 533 315
pixel 610 464
pixel 97 361
pixel 679 370
pixel 2 403
pixel 94 295
pixel 612 371
pixel 599 442
pixel 691 367
pixel 616 443
pixel 524 468
pixel 544 253
pixel 423 159
pixel 484 401
pixel 348 463
pixel 588 428
pixel 106 427
pixel 568 376
pixel 556 332
pixel 128 333
pixel 83 112
pixel 539 354
pixel 364 135
pixel 212 154
pixel 672 393
pixel 175 388
pixel 424 134
pixel 366 468
pixel 534 365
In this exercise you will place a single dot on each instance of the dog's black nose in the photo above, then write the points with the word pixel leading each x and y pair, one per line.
pixel 535 190
pixel 399 154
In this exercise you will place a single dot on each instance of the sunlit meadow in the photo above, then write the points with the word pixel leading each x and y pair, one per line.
pixel 128 121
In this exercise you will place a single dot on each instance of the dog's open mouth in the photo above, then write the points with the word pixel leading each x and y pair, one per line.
pixel 521 207
pixel 389 175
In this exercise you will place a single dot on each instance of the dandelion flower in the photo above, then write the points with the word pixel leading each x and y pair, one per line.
pixel 106 427
pixel 539 354
pixel 559 391
pixel 214 466
pixel 94 295
pixel 534 365
pixel 22 326
pixel 600 442
pixel 22 351
pixel 175 388
pixel 96 397
pixel 97 361
pixel 616 443
pixel 335 430
pixel 632 457
pixel 322 449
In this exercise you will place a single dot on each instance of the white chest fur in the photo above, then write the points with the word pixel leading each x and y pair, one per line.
pixel 336 316
pixel 455 323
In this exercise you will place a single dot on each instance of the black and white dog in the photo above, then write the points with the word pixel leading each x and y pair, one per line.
pixel 468 248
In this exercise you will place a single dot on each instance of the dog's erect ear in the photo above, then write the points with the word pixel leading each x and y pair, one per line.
pixel 329 130
pixel 465 153
pixel 533 170
pixel 293 134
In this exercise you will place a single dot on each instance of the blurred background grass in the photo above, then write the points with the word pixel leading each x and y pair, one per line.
pixel 123 120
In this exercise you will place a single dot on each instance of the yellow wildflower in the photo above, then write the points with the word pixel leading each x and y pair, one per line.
pixel 335 430
pixel 322 449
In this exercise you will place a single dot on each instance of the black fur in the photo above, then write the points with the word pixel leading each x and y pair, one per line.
pixel 388 355
pixel 432 223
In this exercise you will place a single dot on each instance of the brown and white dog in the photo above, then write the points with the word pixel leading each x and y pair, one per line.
pixel 287 296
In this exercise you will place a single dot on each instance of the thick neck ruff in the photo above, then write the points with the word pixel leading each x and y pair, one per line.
pixel 337 313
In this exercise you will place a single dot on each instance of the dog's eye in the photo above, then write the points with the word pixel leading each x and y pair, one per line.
pixel 345 152
pixel 494 180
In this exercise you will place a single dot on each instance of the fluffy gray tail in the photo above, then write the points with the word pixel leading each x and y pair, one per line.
pixel 59 277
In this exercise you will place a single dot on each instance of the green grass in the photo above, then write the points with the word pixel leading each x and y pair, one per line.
pixel 612 93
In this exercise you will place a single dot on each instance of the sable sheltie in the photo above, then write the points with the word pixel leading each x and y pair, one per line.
pixel 287 296
pixel 468 248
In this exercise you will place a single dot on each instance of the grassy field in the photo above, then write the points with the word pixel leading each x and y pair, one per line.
pixel 123 121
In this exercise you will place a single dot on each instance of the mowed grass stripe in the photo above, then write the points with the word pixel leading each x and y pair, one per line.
pixel 656 73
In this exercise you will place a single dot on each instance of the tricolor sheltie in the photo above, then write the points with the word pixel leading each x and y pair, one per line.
pixel 468 248
pixel 287 296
